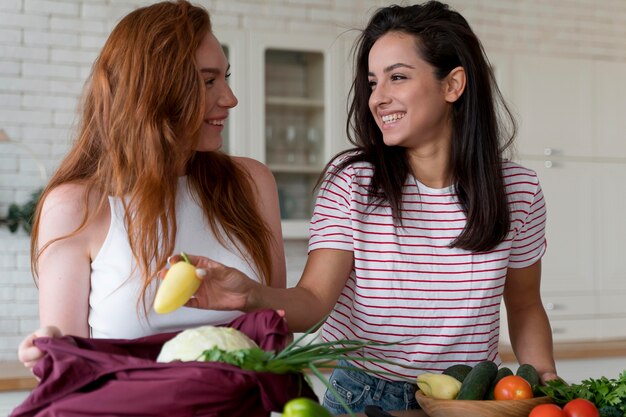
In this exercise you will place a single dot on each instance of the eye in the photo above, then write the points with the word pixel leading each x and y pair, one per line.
pixel 227 75
pixel 372 84
pixel 209 82
pixel 397 77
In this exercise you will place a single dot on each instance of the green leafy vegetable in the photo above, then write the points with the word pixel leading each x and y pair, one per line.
pixel 603 392
pixel 297 358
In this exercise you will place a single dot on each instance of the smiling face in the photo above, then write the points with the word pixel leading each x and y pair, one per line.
pixel 409 104
pixel 214 67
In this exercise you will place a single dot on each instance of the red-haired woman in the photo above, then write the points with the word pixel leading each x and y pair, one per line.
pixel 144 179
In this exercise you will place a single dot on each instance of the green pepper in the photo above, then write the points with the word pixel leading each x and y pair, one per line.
pixel 304 407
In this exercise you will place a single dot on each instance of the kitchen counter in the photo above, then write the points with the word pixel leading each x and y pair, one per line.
pixel 15 377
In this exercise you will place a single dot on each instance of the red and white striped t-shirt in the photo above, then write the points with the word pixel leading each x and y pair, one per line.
pixel 438 306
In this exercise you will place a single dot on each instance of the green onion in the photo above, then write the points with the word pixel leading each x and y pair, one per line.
pixel 296 358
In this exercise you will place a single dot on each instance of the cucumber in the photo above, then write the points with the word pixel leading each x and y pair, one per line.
pixel 529 373
pixel 478 381
pixel 502 372
pixel 458 371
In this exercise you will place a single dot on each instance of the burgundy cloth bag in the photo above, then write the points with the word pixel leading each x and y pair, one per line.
pixel 108 377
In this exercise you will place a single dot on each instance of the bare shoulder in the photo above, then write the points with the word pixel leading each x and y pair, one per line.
pixel 259 172
pixel 65 199
pixel 64 209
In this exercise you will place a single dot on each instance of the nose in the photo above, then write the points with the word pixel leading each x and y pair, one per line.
pixel 227 98
pixel 379 96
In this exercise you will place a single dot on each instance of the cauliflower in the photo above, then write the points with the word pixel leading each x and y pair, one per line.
pixel 189 344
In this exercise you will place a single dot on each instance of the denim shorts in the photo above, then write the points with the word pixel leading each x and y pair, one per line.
pixel 358 389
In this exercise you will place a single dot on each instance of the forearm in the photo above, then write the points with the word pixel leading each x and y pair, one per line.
pixel 529 328
pixel 531 338
pixel 303 309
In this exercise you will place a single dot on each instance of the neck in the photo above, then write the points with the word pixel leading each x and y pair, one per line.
pixel 431 166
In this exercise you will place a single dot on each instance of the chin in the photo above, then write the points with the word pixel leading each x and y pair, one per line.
pixel 212 145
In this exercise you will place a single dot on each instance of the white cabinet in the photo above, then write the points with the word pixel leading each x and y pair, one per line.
pixel 291 115
pixel 572 132
pixel 568 187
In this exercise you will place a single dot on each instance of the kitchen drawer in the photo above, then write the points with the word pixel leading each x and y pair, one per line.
pixel 567 306
pixel 612 328
pixel 576 330
pixel 611 304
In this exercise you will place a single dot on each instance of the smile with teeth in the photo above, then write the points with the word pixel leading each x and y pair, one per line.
pixel 389 118
pixel 219 122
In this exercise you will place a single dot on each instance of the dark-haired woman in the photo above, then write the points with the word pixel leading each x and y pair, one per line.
pixel 146 178
pixel 421 230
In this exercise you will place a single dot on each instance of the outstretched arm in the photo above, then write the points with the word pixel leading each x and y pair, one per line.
pixel 324 276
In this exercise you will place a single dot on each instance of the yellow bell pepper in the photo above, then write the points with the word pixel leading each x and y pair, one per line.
pixel 179 284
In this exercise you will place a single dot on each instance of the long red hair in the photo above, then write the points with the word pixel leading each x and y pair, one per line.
pixel 141 116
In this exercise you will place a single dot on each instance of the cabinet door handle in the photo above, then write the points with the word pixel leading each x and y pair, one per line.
pixel 552 306
pixel 547 151
pixel 547 164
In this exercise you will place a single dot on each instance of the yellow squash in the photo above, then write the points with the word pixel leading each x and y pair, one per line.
pixel 438 386
pixel 179 284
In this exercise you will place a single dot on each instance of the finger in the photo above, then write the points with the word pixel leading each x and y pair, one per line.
pixel 30 354
pixel 192 303
pixel 549 376
pixel 162 272
pixel 171 260
pixel 201 273
pixel 48 331
pixel 201 261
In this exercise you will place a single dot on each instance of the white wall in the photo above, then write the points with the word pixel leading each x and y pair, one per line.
pixel 47 46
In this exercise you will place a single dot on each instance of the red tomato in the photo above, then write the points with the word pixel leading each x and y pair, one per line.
pixel 547 410
pixel 581 408
pixel 513 387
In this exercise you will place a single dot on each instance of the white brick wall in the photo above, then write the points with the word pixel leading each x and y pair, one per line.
pixel 47 46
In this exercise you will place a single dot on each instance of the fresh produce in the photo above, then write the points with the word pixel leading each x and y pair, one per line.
pixel 547 410
pixel 458 371
pixel 179 284
pixel 607 394
pixel 502 372
pixel 513 387
pixel 477 381
pixel 529 373
pixel 580 407
pixel 438 386
pixel 190 344
pixel 610 411
pixel 304 407
pixel 295 358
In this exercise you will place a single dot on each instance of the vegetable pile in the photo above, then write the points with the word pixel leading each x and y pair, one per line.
pixel 608 394
pixel 228 345
pixel 484 381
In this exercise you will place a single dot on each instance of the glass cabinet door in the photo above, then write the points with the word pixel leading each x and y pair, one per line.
pixel 294 126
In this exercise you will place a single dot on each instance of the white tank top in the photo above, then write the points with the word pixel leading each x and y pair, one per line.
pixel 115 288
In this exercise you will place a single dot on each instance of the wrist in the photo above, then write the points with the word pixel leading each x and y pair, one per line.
pixel 254 297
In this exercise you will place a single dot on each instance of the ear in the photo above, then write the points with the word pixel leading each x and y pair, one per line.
pixel 454 84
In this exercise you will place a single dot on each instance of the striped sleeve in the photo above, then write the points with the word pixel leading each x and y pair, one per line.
pixel 529 243
pixel 331 224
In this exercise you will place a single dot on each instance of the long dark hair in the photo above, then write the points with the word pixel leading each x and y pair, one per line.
pixel 444 39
